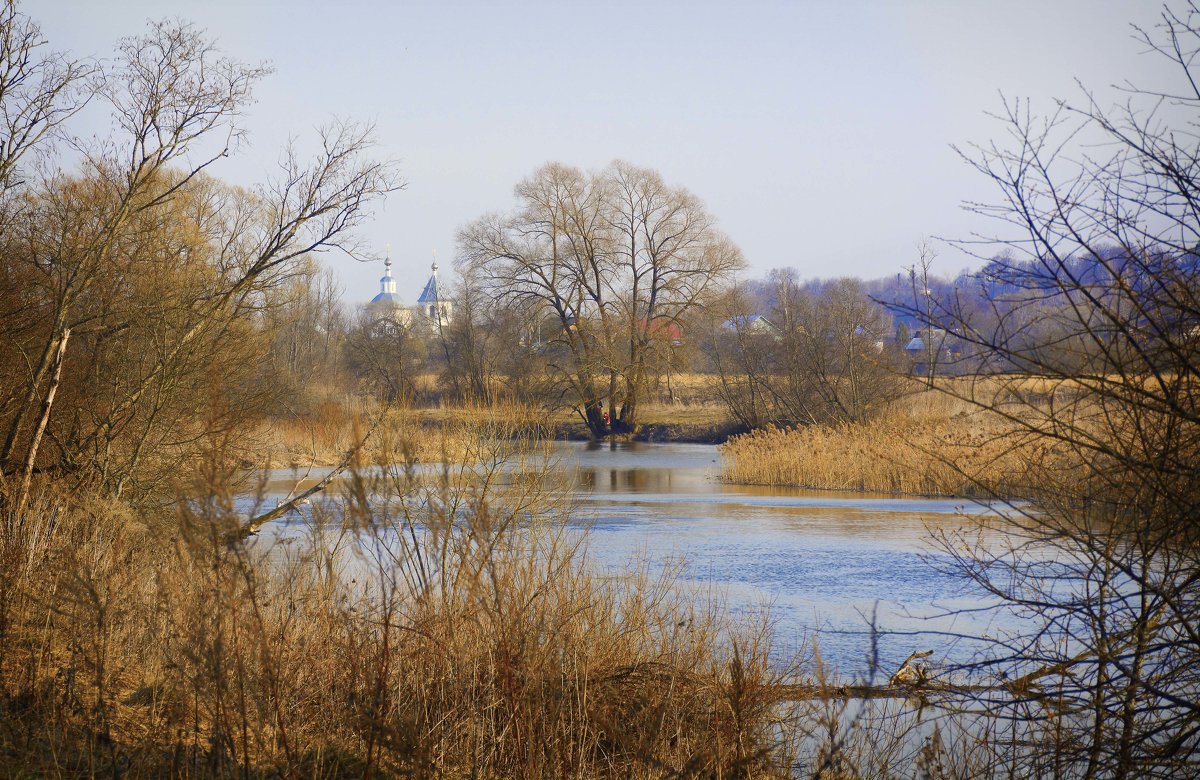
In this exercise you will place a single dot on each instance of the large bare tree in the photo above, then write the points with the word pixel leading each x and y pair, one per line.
pixel 670 259
pixel 610 261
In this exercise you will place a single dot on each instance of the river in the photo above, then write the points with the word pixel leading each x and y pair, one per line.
pixel 821 562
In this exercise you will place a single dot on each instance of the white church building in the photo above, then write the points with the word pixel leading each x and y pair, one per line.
pixel 430 310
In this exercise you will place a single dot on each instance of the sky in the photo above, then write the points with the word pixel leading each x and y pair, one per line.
pixel 819 134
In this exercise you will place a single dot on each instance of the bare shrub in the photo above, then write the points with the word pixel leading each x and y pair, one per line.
pixel 427 623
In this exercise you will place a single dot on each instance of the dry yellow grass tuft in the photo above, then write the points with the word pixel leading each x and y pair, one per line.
pixel 928 444
pixel 324 436
pixel 428 625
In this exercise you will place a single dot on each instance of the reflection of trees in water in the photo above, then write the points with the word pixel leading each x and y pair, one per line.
pixel 624 480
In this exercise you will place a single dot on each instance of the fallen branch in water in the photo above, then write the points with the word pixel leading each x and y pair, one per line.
pixel 252 526
pixel 808 691
pixel 912 672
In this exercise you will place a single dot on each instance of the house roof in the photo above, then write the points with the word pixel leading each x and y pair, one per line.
pixel 661 327
pixel 748 321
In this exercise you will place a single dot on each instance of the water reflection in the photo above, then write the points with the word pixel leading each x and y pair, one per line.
pixel 601 480
pixel 820 560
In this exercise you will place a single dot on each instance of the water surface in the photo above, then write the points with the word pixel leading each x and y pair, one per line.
pixel 824 564
pixel 820 561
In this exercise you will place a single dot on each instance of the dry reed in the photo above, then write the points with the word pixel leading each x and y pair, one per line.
pixel 929 444
pixel 426 625
pixel 322 436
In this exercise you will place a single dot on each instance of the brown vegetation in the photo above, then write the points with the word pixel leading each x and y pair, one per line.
pixel 814 354
pixel 436 619
pixel 421 627
pixel 1095 291
pixel 322 435
pixel 137 291
pixel 926 444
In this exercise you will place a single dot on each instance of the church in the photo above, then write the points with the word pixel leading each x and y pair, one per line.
pixel 431 309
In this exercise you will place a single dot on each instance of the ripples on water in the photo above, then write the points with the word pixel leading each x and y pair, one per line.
pixel 819 561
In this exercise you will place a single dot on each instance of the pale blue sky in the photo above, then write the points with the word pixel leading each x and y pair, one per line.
pixel 818 133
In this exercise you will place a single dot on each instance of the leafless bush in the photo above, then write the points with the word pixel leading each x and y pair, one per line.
pixel 1096 299
pixel 427 623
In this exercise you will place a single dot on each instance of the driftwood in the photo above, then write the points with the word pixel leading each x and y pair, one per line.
pixel 912 671
pixel 809 691
pixel 911 679
pixel 252 525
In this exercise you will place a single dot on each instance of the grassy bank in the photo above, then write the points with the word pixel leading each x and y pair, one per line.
pixel 431 632
pixel 927 444
pixel 323 434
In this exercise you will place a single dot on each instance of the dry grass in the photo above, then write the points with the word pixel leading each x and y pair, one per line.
pixel 324 436
pixel 438 626
pixel 423 624
pixel 926 444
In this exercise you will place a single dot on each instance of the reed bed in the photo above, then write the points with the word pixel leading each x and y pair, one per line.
pixel 928 445
pixel 421 623
pixel 323 435
pixel 446 627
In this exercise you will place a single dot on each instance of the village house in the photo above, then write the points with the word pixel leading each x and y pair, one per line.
pixel 933 344
pixel 753 324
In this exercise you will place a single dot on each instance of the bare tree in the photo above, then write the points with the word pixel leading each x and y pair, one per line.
pixel 922 302
pixel 553 258
pixel 738 347
pixel 493 346
pixel 142 217
pixel 831 360
pixel 385 355
pixel 818 355
pixel 670 260
pixel 170 89
pixel 306 324
pixel 611 258
pixel 39 90
pixel 1090 341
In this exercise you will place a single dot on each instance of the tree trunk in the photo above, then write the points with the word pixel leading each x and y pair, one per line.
pixel 43 420
pixel 593 417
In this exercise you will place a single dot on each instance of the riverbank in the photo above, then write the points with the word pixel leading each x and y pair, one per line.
pixel 554 645
pixel 324 436
pixel 929 444
pixel 196 657
pixel 688 426
pixel 925 444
